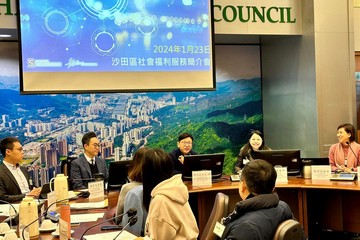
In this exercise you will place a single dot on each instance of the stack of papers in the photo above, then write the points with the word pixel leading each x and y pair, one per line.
pixel 89 205
pixel 5 208
pixel 88 217
pixel 125 235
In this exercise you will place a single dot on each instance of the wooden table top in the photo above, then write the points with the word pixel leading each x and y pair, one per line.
pixel 221 184
pixel 79 230
pixel 293 182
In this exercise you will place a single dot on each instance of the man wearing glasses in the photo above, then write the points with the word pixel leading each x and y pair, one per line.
pixel 185 142
pixel 14 179
pixel 84 168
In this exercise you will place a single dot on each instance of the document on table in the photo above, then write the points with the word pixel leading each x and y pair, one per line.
pixel 5 208
pixel 125 235
pixel 89 205
pixel 88 217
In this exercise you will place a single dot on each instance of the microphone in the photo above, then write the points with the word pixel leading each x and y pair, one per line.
pixel 131 213
pixel 131 222
pixel 54 216
pixel 11 217
pixel 45 213
pixel 96 177
pixel 83 179
pixel 356 156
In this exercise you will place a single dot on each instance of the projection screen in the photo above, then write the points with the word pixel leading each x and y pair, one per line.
pixel 84 46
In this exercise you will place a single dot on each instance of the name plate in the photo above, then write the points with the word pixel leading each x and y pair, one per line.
pixel 219 229
pixel 282 175
pixel 96 189
pixel 321 172
pixel 201 178
pixel 358 173
pixel 51 198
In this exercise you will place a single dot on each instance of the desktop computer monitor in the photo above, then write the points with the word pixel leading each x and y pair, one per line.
pixel 289 158
pixel 317 160
pixel 213 162
pixel 118 173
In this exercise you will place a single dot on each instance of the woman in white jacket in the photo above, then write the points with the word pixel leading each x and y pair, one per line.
pixel 165 197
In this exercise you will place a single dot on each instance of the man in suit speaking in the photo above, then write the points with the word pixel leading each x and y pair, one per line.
pixel 84 168
pixel 14 179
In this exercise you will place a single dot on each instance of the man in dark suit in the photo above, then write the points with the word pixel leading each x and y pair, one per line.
pixel 185 143
pixel 14 179
pixel 84 168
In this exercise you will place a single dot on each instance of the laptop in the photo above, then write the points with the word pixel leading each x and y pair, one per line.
pixel 45 189
pixel 213 162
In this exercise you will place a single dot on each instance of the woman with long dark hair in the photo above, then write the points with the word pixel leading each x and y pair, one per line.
pixel 255 142
pixel 165 198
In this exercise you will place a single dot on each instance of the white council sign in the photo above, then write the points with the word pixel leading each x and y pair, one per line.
pixel 260 17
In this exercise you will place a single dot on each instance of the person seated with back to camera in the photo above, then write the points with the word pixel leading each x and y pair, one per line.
pixel 166 198
pixel 134 200
pixel 259 214
pixel 184 143
pixel 135 177
pixel 344 155
pixel 84 168
pixel 255 142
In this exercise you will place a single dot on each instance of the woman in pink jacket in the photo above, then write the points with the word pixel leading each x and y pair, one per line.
pixel 344 155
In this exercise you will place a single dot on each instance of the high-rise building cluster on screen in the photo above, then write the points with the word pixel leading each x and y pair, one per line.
pixel 47 142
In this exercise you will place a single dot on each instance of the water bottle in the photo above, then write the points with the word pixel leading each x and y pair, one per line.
pixel 65 215
pixel 60 187
pixel 28 212
pixel 307 169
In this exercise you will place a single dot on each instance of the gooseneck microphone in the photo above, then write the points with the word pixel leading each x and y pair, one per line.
pixel 11 217
pixel 96 177
pixel 45 213
pixel 131 222
pixel 131 214
pixel 356 156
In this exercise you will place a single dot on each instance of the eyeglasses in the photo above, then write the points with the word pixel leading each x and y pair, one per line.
pixel 96 145
pixel 18 149
pixel 186 143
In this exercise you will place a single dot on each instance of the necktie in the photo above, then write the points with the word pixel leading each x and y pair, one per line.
pixel 92 162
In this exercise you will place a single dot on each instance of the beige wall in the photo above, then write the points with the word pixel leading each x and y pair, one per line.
pixel 308 81
pixel 357 25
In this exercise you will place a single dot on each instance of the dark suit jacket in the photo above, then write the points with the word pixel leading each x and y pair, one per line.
pixel 178 166
pixel 80 169
pixel 9 188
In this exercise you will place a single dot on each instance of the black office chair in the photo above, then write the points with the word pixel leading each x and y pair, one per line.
pixel 65 169
pixel 118 174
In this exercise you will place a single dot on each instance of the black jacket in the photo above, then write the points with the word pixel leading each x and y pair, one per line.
pixel 256 218
pixel 9 188
pixel 175 154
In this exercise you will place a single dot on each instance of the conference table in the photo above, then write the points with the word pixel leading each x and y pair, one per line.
pixel 80 229
pixel 316 204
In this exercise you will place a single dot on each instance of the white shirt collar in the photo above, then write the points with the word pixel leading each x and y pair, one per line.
pixel 11 166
